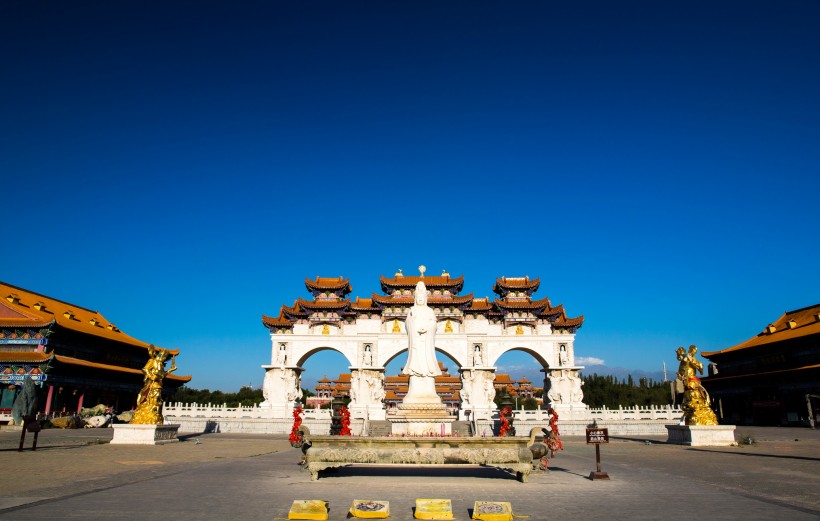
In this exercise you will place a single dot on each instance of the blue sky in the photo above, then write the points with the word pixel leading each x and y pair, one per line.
pixel 183 168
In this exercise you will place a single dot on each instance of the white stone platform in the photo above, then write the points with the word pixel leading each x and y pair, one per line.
pixel 702 435
pixel 422 419
pixel 128 434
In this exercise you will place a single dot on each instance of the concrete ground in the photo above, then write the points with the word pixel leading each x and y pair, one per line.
pixel 78 475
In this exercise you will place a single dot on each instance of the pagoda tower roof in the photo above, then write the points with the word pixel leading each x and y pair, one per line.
pixel 505 284
pixel 480 304
pixel 515 295
pixel 431 299
pixel 569 323
pixel 522 304
pixel 431 282
pixel 329 284
pixel 279 321
pixel 310 305
pixel 364 304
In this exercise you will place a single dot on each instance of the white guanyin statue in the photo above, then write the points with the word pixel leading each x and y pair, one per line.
pixel 421 337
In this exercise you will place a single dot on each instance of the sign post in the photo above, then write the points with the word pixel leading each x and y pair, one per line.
pixel 30 424
pixel 596 436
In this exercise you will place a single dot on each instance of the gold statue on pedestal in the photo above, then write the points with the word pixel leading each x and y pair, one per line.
pixel 696 401
pixel 149 400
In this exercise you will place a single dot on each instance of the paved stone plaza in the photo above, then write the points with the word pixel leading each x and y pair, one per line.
pixel 78 475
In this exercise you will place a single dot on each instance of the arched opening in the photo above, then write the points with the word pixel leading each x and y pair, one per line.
pixel 325 375
pixel 520 378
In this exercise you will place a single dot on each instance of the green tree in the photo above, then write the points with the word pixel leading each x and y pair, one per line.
pixel 607 391
pixel 246 397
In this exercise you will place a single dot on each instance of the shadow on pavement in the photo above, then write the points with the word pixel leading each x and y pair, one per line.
pixel 778 456
pixel 423 472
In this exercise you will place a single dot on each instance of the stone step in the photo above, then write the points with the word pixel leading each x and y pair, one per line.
pixel 485 428
pixel 463 428
pixel 379 428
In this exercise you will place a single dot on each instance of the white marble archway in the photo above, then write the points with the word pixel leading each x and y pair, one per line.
pixel 370 344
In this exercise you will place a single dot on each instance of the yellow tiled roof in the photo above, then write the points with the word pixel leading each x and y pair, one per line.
pixel 20 307
pixel 792 324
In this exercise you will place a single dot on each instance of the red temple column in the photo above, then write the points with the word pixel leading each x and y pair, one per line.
pixel 49 398
pixel 80 401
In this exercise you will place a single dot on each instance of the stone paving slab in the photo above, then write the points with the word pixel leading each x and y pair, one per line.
pixel 255 477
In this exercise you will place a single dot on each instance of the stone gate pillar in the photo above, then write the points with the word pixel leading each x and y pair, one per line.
pixel 281 388
pixel 477 394
pixel 367 393
pixel 562 390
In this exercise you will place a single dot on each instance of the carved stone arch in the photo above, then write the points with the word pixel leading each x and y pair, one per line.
pixel 541 357
pixel 394 355
pixel 303 357
pixel 451 356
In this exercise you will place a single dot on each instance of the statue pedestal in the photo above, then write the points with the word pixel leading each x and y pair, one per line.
pixel 701 435
pixel 131 434
pixel 421 413
pixel 422 419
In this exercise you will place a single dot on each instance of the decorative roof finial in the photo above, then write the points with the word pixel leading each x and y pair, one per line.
pixel 422 269
pixel 398 273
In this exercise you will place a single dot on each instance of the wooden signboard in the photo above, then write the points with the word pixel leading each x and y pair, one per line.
pixel 597 435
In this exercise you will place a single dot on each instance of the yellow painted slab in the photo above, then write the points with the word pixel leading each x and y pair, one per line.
pixel 434 509
pixel 369 509
pixel 308 509
pixel 492 511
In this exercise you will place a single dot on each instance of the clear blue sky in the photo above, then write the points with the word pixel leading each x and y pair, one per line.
pixel 183 167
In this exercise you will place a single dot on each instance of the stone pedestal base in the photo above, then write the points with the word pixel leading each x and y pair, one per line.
pixel 370 412
pixel 702 435
pixel 408 427
pixel 422 419
pixel 128 434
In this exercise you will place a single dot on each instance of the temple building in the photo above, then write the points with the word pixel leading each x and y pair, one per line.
pixel 472 331
pixel 770 378
pixel 77 356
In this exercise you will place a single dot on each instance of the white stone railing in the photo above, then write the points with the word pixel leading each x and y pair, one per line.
pixel 635 420
pixel 196 410
pixel 637 412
